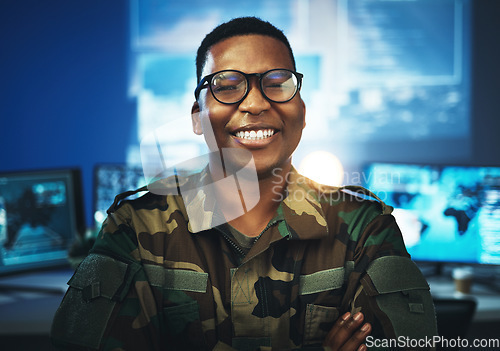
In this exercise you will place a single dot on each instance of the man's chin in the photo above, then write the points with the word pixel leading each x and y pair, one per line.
pixel 266 171
pixel 228 161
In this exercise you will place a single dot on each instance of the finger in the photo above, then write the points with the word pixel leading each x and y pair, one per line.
pixel 346 331
pixel 336 327
pixel 356 341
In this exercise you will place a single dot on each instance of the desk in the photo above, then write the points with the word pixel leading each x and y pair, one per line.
pixel 29 310
pixel 488 300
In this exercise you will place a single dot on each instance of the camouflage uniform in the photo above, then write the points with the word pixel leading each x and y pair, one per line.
pixel 151 284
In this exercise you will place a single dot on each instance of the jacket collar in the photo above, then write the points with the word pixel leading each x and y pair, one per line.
pixel 301 211
pixel 299 216
pixel 301 208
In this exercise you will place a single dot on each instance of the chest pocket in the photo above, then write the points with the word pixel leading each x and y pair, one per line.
pixel 182 319
pixel 320 319
pixel 318 322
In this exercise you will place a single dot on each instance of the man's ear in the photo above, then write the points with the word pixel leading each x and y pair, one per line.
pixel 195 119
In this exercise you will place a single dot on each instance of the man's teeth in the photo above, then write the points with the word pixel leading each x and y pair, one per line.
pixel 255 134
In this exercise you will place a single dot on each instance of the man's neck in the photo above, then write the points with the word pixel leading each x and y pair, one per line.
pixel 270 194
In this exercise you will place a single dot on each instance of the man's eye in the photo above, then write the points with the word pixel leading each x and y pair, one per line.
pixel 279 84
pixel 275 85
pixel 224 88
pixel 228 86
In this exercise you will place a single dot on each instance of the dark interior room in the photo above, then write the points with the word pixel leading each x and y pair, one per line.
pixel 69 101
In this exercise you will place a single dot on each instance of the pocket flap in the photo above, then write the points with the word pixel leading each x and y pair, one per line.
pixel 101 276
pixel 176 279
pixel 395 273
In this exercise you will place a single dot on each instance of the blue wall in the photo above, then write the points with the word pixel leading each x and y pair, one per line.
pixel 486 82
pixel 64 78
pixel 63 85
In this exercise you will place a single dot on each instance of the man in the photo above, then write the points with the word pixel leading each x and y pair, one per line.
pixel 305 266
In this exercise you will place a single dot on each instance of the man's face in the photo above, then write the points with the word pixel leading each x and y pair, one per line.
pixel 255 114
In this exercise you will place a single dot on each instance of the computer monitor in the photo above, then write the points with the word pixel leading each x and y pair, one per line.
pixel 111 180
pixel 41 213
pixel 448 214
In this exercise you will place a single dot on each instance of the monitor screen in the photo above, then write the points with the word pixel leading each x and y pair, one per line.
pixel 41 213
pixel 446 213
pixel 111 180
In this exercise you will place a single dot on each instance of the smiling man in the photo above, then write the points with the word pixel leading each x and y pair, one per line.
pixel 306 266
pixel 262 113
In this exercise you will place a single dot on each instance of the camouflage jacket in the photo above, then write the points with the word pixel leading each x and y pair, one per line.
pixel 151 284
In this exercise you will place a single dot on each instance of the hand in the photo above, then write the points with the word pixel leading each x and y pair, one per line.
pixel 348 333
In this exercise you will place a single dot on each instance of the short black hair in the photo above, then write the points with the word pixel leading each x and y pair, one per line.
pixel 235 27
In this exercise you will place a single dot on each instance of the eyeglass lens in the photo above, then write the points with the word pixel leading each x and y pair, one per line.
pixel 276 85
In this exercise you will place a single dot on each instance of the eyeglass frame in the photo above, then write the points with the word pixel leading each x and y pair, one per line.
pixel 208 78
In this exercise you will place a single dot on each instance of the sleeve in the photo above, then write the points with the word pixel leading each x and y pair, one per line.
pixel 109 303
pixel 392 292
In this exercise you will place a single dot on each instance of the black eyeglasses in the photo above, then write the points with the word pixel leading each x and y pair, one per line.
pixel 231 86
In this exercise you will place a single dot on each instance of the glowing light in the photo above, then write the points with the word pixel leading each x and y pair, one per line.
pixel 322 167
pixel 410 225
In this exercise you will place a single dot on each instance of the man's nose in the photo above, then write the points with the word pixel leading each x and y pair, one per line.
pixel 255 102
